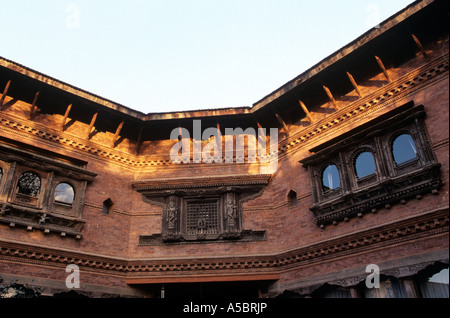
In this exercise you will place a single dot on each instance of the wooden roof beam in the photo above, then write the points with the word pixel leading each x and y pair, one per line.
pixel 66 114
pixel 355 86
pixel 91 125
pixel 308 114
pixel 33 106
pixel 419 45
pixel 282 123
pixel 117 134
pixel 330 96
pixel 383 68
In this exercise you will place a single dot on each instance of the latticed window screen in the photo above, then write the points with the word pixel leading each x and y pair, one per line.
pixel 202 217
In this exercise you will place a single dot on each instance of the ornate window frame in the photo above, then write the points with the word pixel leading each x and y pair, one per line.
pixel 174 196
pixel 391 184
pixel 28 200
pixel 42 212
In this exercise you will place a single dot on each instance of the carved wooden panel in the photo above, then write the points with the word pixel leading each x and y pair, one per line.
pixel 201 208
pixel 202 217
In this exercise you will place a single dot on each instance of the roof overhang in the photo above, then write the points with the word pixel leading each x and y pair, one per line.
pixel 326 63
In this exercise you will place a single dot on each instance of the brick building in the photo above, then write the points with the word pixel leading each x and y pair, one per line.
pixel 352 171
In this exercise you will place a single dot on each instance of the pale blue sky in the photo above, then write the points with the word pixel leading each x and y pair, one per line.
pixel 161 56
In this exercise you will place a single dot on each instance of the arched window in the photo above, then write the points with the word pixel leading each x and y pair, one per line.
pixel 404 149
pixel 330 178
pixel 364 164
pixel 64 193
pixel 29 184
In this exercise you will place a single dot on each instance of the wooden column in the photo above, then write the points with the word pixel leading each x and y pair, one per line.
pixel 308 114
pixel 410 288
pixel 66 114
pixel 354 293
pixel 5 91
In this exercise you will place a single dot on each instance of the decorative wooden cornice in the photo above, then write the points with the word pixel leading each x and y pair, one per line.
pixel 202 182
pixel 44 163
pixel 244 236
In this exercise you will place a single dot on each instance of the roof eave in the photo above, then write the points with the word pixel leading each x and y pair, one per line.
pixel 343 52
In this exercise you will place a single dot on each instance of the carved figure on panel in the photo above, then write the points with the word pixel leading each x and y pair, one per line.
pixel 230 213
pixel 172 213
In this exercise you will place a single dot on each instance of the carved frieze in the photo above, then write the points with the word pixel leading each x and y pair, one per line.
pixel 32 219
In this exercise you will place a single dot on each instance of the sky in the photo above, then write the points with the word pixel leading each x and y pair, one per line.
pixel 174 55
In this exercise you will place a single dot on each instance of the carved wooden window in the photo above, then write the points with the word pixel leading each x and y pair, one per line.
pixel 29 186
pixel 208 216
pixel 42 192
pixel 383 162
pixel 201 209
pixel 202 217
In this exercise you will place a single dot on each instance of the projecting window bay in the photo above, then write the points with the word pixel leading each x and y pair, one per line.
pixel 383 162
pixel 39 192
